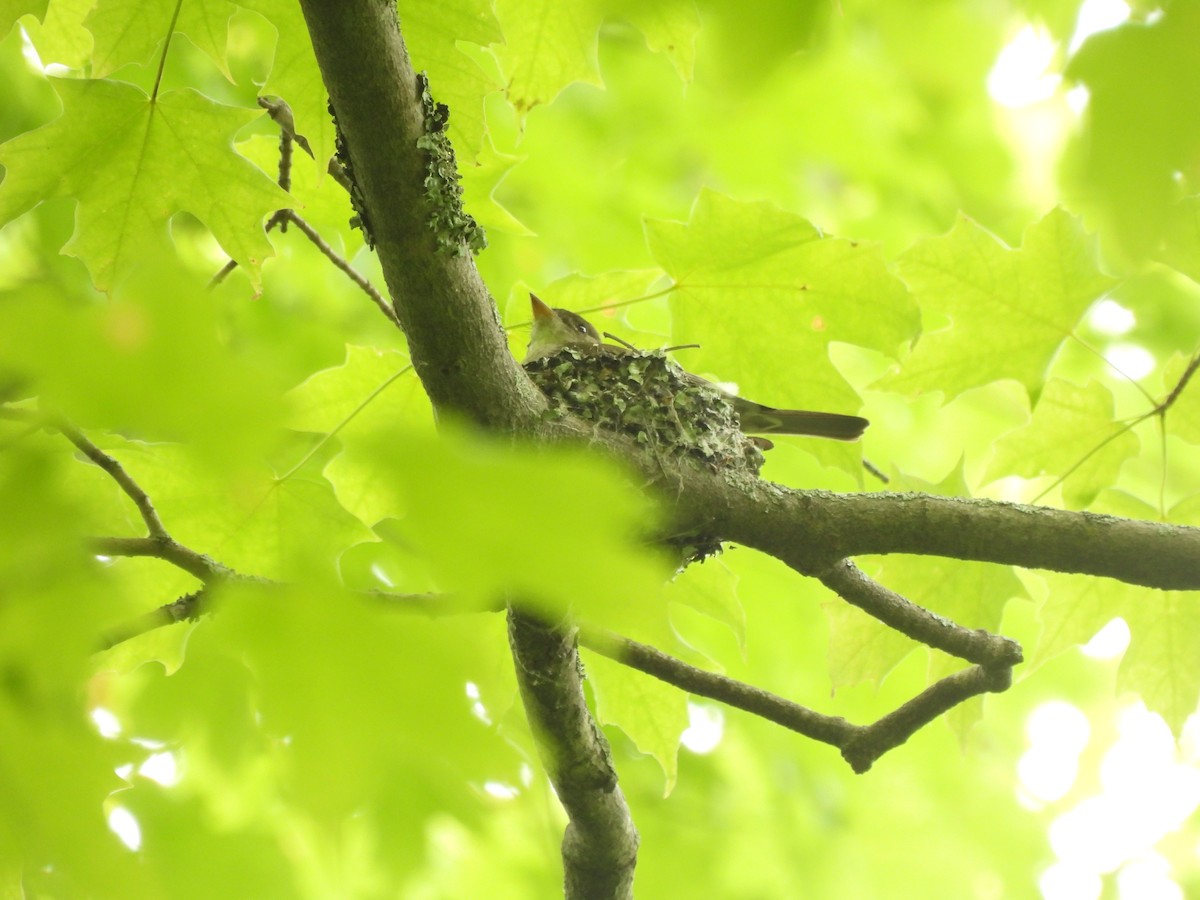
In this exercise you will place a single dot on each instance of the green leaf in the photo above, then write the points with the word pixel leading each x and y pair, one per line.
pixel 55 768
pixel 249 519
pixel 128 31
pixel 11 10
pixel 764 294
pixel 480 182
pixel 61 36
pixel 1161 662
pixel 373 390
pixel 411 739
pixel 652 713
pixel 167 373
pixel 132 164
pixel 1160 665
pixel 357 394
pixel 407 671
pixel 1072 436
pixel 670 27
pixel 548 44
pixel 997 312
pixel 711 589
pixel 1135 140
pixel 560 530
pixel 432 31
pixel 1180 247
pixel 861 648
pixel 183 847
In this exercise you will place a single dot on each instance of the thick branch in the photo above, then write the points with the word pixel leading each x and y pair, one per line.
pixel 981 647
pixel 812 530
pixel 600 843
pixel 861 745
pixel 894 729
pixel 793 716
pixel 457 344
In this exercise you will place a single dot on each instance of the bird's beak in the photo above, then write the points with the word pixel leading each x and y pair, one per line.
pixel 541 312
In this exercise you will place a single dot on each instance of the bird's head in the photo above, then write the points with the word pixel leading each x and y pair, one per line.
pixel 554 329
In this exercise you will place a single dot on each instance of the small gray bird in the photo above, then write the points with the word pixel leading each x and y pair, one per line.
pixel 554 329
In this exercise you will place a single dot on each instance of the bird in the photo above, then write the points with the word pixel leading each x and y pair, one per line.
pixel 556 329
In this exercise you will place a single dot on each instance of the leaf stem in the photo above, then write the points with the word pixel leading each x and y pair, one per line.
pixel 162 59
pixel 340 425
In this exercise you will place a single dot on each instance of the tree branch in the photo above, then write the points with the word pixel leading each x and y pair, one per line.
pixel 189 607
pixel 460 353
pixel 131 488
pixel 343 265
pixel 556 691
pixel 164 548
pixel 800 719
pixel 871 742
pixel 159 544
pixel 982 647
pixel 457 344
pixel 861 745
pixel 600 844
pixel 813 530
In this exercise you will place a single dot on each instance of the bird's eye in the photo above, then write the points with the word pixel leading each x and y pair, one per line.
pixel 582 328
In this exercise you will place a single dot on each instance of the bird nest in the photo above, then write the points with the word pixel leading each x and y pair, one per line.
pixel 648 397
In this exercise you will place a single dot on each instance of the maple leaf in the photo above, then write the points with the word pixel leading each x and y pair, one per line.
pixel 1008 309
pixel 132 162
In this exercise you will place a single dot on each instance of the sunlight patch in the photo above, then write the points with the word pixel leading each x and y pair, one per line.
pixel 1021 75
pixel 106 723
pixel 1132 360
pixel 1058 732
pixel 1109 642
pixel 1096 16
pixel 706 727
pixel 125 827
pixel 1110 317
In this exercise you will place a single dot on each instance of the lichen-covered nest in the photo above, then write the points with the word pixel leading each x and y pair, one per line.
pixel 649 398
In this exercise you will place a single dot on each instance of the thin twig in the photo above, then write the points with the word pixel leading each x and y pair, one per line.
pixel 873 469
pixel 1092 452
pixel 187 608
pixel 287 215
pixel 607 306
pixel 341 263
pixel 1181 384
pixel 1160 410
pixel 860 745
pixel 338 173
pixel 223 274
pixel 165 548
pixel 326 438
pixel 123 479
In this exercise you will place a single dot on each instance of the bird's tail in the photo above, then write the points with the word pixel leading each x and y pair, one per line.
pixel 759 419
